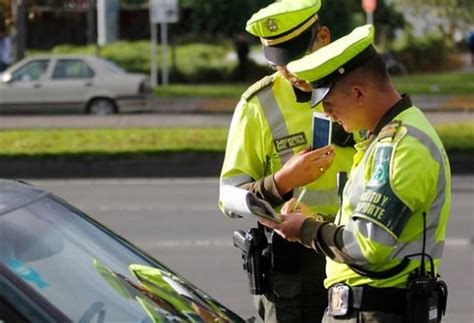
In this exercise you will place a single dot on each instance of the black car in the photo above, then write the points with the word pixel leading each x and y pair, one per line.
pixel 59 265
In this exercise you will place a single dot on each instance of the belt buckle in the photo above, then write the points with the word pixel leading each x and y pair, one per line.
pixel 338 300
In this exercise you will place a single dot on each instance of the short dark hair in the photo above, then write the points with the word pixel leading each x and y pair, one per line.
pixel 377 68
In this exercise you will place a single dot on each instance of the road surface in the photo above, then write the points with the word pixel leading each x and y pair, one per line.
pixel 177 221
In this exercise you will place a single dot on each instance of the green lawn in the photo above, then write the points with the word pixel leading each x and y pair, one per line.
pixel 426 84
pixel 115 143
pixel 202 90
pixel 446 83
pixel 87 143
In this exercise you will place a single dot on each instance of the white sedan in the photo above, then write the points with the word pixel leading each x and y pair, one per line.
pixel 81 83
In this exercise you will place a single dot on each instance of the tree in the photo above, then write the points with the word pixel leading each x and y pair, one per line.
pixel 338 15
pixel 220 17
pixel 458 13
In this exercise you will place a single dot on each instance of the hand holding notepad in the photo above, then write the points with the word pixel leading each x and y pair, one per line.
pixel 246 204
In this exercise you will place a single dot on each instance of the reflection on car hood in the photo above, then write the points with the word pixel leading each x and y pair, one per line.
pixel 162 295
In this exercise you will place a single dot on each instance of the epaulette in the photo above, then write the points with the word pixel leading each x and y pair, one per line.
pixel 390 130
pixel 257 86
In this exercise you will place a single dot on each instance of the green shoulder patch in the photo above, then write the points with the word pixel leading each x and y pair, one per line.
pixel 257 86
pixel 390 130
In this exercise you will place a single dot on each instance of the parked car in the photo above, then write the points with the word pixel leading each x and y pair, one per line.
pixel 81 83
pixel 59 265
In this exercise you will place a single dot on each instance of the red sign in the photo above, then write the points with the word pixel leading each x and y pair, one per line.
pixel 369 5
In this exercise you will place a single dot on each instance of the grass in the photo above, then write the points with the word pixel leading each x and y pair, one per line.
pixel 420 84
pixel 70 143
pixel 131 143
pixel 202 90
pixel 445 83
pixel 457 138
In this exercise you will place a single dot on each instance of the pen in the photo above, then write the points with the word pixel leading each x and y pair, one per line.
pixel 300 197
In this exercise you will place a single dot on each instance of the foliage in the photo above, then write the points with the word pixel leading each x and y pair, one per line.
pixel 387 20
pixel 189 63
pixel 459 13
pixel 217 17
pixel 427 53
pixel 338 16
pixel 341 16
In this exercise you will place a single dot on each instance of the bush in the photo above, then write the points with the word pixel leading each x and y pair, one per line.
pixel 423 54
pixel 188 63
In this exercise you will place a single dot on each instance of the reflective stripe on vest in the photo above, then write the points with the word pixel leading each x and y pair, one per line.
pixel 277 125
pixel 235 180
pixel 275 119
pixel 319 197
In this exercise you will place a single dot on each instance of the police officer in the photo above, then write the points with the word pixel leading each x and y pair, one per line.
pixel 267 153
pixel 397 199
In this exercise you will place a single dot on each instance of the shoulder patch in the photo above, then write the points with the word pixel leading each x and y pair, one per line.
pixel 389 131
pixel 379 203
pixel 257 87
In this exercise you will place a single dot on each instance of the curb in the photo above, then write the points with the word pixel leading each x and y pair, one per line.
pixel 187 164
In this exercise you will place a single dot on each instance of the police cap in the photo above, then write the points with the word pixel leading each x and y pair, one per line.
pixel 284 28
pixel 328 64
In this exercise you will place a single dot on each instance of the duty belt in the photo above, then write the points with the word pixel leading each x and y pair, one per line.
pixel 342 298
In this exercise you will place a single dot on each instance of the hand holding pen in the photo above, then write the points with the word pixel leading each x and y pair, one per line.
pixel 295 205
pixel 300 197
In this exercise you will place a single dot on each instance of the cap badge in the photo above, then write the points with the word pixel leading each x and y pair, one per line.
pixel 271 24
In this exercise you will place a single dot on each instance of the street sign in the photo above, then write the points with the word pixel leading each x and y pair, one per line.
pixel 163 11
pixel 369 5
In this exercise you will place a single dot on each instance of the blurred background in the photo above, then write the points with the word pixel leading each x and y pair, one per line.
pixel 204 36
pixel 153 175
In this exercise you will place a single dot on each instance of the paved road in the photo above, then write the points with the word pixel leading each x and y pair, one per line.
pixel 163 120
pixel 176 220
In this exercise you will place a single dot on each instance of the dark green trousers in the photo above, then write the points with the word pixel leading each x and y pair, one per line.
pixel 297 297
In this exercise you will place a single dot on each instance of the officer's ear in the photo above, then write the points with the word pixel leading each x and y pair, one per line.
pixel 359 93
pixel 323 36
pixel 321 39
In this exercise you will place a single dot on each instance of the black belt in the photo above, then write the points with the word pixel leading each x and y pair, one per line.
pixel 365 298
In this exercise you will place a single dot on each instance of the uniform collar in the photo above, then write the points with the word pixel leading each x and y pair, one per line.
pixel 403 104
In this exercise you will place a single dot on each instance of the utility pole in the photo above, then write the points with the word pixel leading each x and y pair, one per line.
pixel 91 21
pixel 18 32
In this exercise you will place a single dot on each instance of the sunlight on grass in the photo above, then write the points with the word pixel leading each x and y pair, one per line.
pixel 110 141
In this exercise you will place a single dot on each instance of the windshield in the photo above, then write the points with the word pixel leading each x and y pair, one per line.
pixel 86 271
